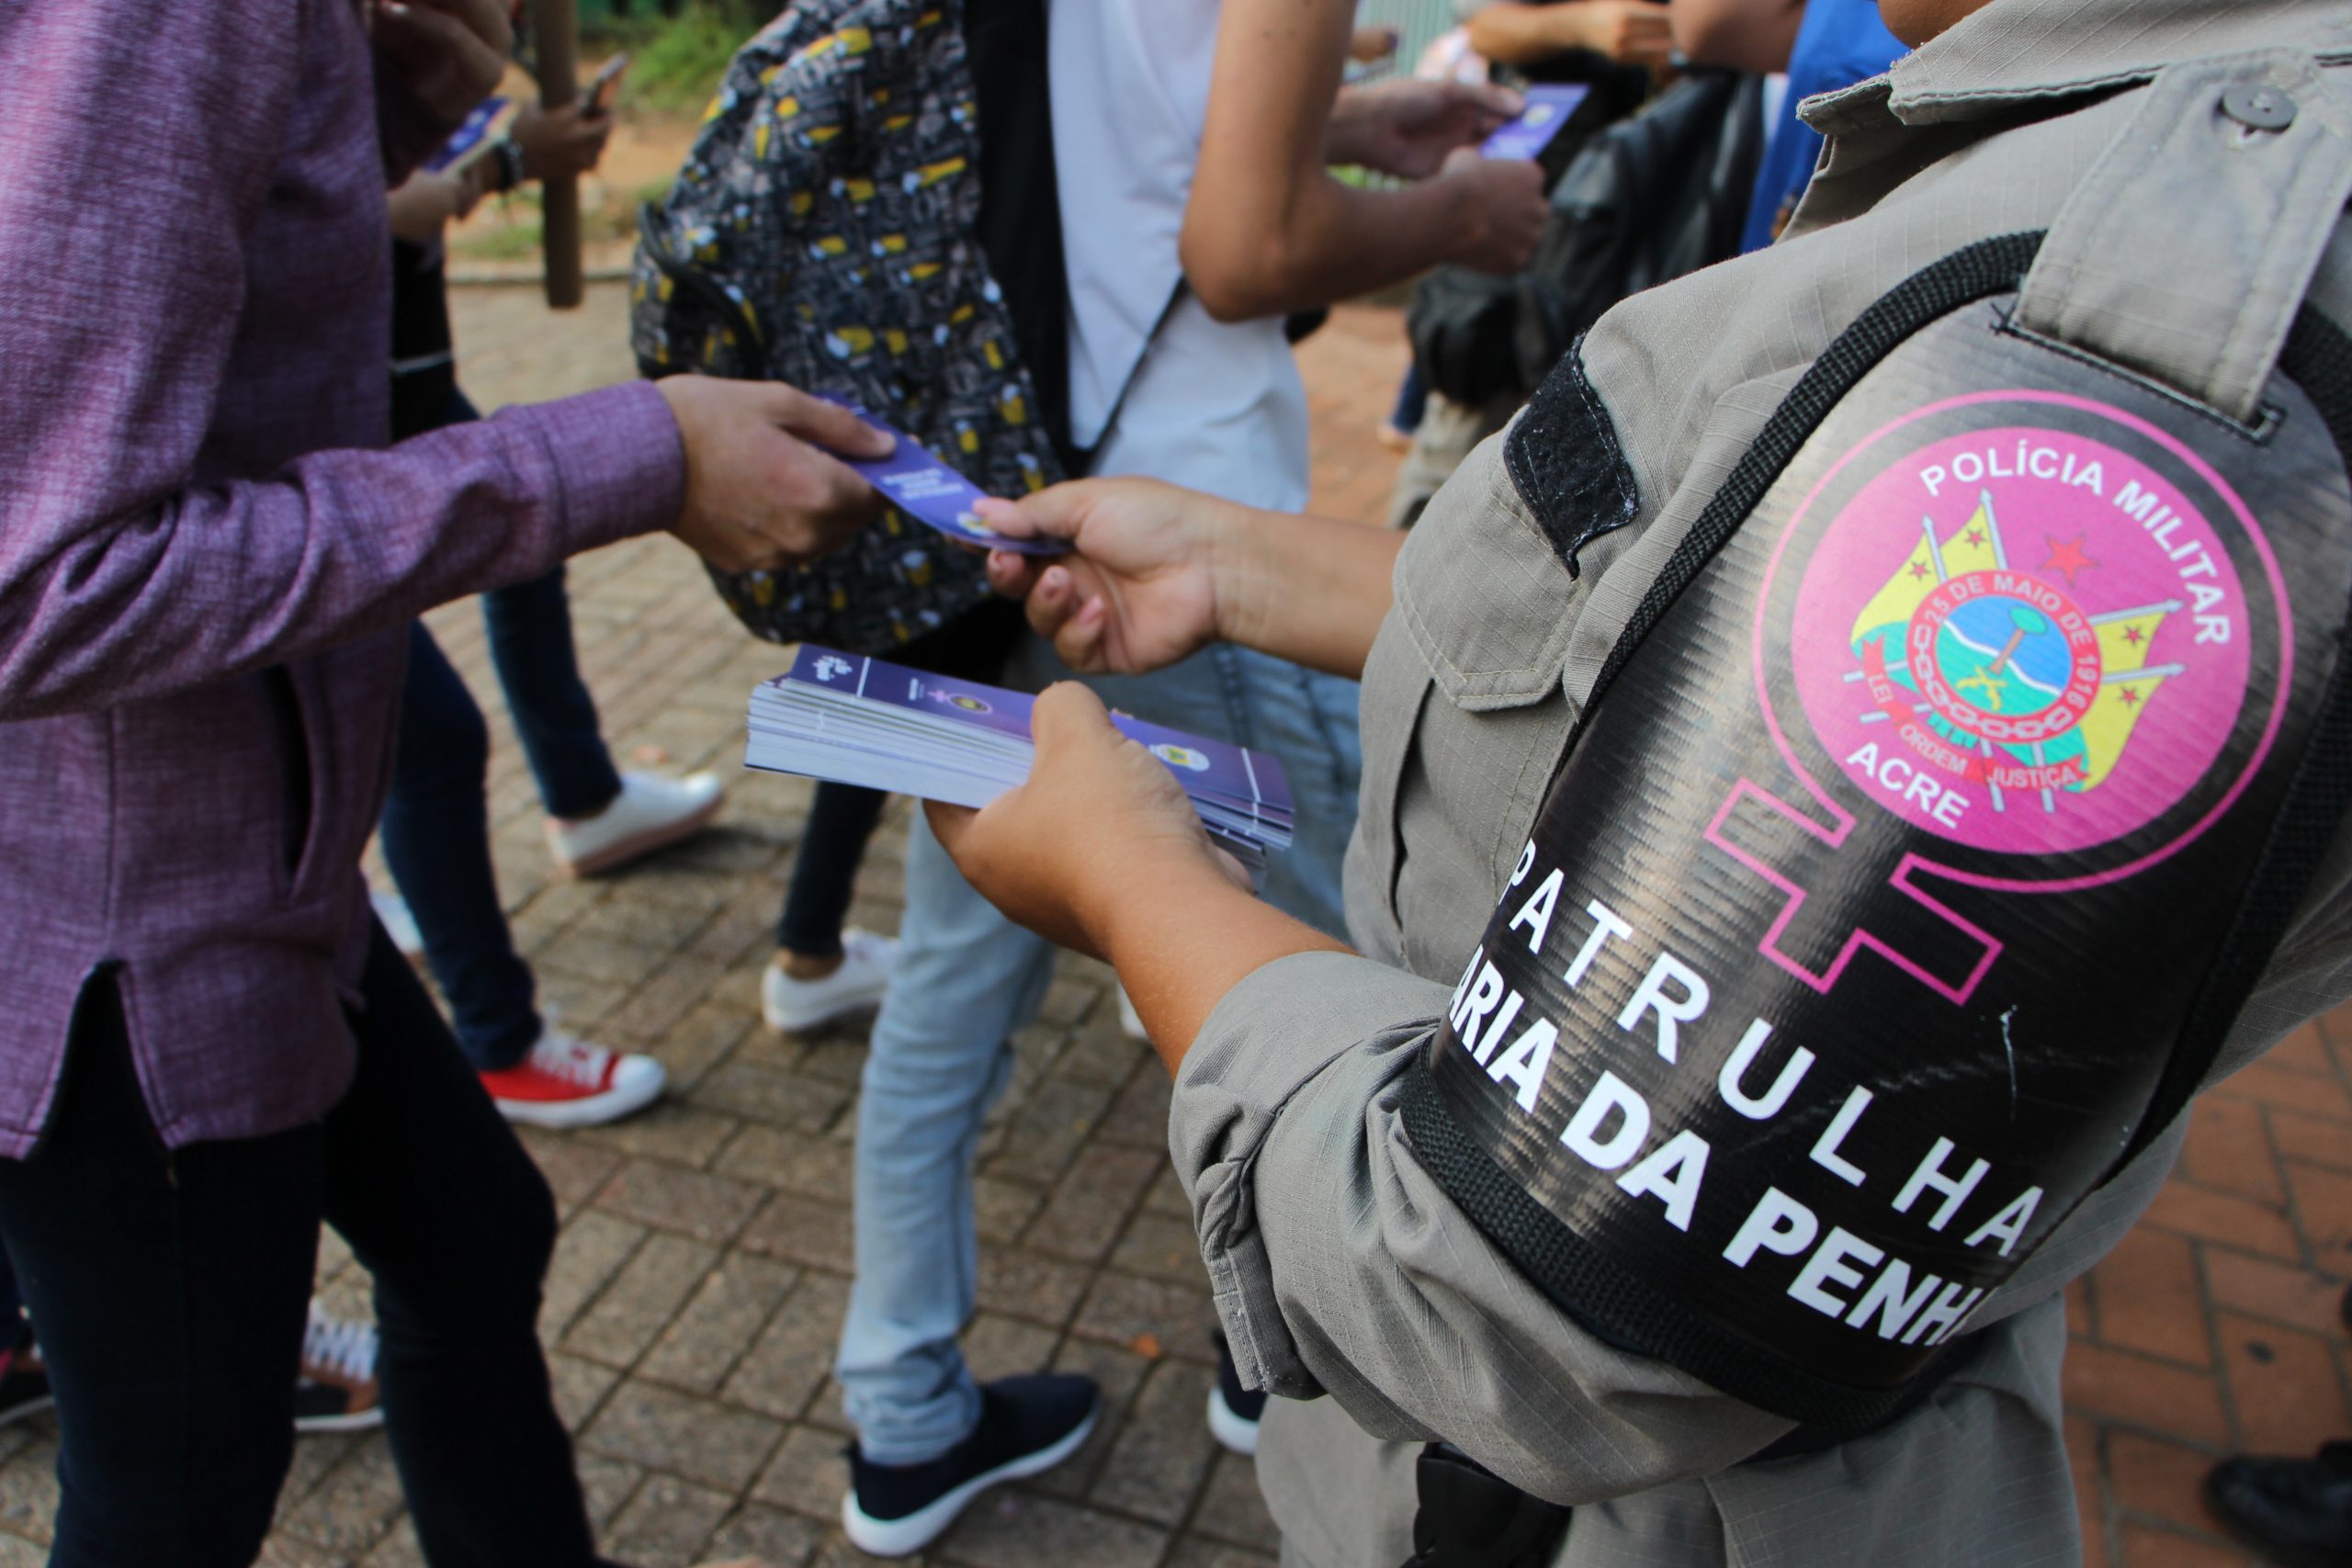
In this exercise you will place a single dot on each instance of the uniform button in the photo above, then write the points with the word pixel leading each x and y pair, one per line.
pixel 2259 109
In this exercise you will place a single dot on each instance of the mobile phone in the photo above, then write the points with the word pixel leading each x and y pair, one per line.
pixel 601 94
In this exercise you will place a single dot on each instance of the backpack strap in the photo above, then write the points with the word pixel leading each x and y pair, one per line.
pixel 1082 458
pixel 2257 148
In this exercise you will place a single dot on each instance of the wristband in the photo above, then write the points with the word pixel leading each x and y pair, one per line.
pixel 510 165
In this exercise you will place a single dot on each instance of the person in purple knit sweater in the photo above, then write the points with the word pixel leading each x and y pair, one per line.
pixel 208 560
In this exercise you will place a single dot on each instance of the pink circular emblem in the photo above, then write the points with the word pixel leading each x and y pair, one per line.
pixel 2023 640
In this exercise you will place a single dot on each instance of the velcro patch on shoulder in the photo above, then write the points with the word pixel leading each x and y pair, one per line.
pixel 1562 454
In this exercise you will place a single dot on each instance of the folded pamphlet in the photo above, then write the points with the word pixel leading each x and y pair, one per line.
pixel 930 491
pixel 856 720
pixel 1549 105
pixel 474 138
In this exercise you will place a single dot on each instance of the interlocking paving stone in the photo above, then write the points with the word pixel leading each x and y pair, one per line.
pixel 803 1230
pixel 1125 1309
pixel 808 1474
pixel 28 1488
pixel 577 1170
pixel 777 1539
pixel 1232 1510
pixel 674 1133
pixel 794 1356
pixel 665 1525
pixel 589 1252
pixel 580 1386
pixel 1012 1529
pixel 1215 1554
pixel 709 1208
pixel 793 1161
pixel 353 1506
pixel 1162 1247
pixel 718 1325
pixel 1164 1448
pixel 1083 1217
pixel 700 1439
pixel 780 1099
pixel 1041 1289
pixel 641 1300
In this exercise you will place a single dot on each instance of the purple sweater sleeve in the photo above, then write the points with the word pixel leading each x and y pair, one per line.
pixel 126 222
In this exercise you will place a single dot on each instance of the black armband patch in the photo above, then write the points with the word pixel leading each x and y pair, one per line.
pixel 1924 832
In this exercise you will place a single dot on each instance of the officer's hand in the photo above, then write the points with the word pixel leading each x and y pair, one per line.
pixel 759 497
pixel 450 54
pixel 1504 210
pixel 1099 818
pixel 1138 593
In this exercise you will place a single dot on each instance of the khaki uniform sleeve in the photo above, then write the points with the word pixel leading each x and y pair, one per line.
pixel 1340 1266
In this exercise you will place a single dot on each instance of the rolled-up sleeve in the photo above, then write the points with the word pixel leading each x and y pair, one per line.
pixel 1340 1266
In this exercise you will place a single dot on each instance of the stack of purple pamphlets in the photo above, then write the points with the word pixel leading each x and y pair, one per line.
pixel 859 721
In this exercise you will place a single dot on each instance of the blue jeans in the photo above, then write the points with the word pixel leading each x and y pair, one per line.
pixel 967 979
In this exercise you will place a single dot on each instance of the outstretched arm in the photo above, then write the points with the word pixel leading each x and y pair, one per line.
pixel 1158 572
pixel 1754 36
pixel 1267 230
pixel 1633 32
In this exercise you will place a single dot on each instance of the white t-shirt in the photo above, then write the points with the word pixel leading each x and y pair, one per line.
pixel 1217 407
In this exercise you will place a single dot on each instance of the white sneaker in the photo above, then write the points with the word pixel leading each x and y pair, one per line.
pixel 336 1391
pixel 1130 1021
pixel 650 812
pixel 399 922
pixel 566 1082
pixel 793 1006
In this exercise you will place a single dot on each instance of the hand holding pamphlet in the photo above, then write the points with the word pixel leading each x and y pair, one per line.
pixel 927 490
pixel 1549 105
pixel 474 138
pixel 856 720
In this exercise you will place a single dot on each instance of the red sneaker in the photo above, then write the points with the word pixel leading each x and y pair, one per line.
pixel 566 1082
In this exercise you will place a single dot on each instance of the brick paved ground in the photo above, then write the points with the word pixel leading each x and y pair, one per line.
pixel 704 1254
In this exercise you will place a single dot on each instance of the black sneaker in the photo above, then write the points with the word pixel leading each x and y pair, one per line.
pixel 2298 1511
pixel 1027 1424
pixel 24 1384
pixel 1234 1410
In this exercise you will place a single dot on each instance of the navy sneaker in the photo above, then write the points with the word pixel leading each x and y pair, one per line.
pixel 1027 1424
pixel 1234 1410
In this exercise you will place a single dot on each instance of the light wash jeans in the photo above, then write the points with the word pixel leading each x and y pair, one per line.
pixel 967 979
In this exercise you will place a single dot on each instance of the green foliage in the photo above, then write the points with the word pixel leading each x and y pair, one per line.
pixel 677 62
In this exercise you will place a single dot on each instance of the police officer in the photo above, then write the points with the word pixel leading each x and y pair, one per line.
pixel 1841 771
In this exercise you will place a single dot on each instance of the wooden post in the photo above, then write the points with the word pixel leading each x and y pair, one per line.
pixel 556 31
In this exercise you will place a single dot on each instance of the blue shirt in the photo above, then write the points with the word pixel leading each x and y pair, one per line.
pixel 1839 42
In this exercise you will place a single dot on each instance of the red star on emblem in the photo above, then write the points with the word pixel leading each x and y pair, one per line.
pixel 2131 696
pixel 2134 636
pixel 1918 569
pixel 1976 537
pixel 2069 557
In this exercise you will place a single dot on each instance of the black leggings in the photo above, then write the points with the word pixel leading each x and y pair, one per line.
pixel 170 1291
pixel 842 817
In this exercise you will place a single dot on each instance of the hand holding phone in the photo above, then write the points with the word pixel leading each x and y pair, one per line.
pixel 604 90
